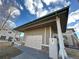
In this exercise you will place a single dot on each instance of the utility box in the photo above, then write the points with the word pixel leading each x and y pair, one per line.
pixel 53 48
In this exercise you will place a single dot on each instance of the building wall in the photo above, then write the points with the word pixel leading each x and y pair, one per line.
pixel 7 33
pixel 40 31
pixel 35 32
pixel 71 38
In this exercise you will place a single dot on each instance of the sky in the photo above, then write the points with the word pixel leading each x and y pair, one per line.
pixel 8 11
pixel 32 9
pixel 39 8
pixel 28 14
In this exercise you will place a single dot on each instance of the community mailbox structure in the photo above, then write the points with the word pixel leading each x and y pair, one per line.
pixel 38 32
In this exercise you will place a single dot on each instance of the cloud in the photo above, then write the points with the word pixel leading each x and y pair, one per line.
pixel 73 16
pixel 0 2
pixel 5 7
pixel 21 7
pixel 77 34
pixel 76 27
pixel 64 2
pixel 37 7
pixel 29 6
pixel 42 13
pixel 10 25
pixel 47 2
pixel 74 19
pixel 15 13
pixel 56 8
pixel 38 4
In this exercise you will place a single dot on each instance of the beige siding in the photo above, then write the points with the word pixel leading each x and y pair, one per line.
pixel 38 32
pixel 34 38
pixel 34 41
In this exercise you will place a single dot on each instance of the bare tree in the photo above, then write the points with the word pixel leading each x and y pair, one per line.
pixel 7 7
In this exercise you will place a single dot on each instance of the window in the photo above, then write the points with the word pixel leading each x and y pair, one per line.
pixel 9 32
pixel 2 37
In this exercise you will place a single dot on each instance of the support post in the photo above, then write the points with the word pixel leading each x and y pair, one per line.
pixel 50 31
pixel 45 36
pixel 62 52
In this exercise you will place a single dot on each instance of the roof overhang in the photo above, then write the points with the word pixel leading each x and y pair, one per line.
pixel 48 20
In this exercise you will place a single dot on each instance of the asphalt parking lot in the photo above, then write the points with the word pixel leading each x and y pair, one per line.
pixel 30 53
